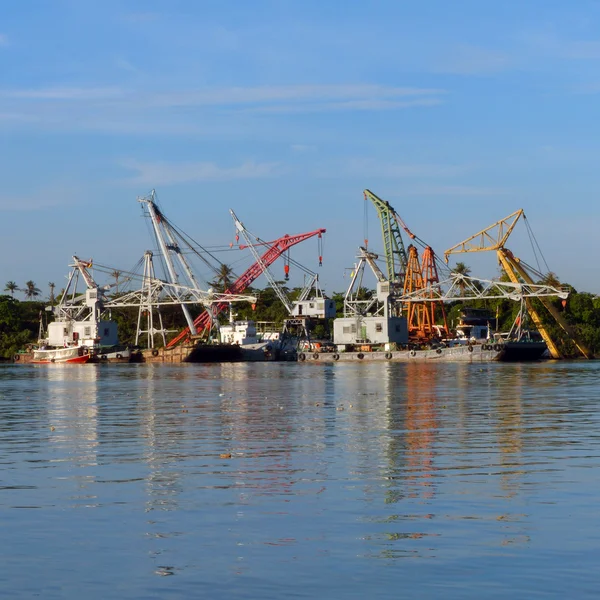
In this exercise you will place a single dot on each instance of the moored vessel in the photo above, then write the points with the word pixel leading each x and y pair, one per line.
pixel 79 333
pixel 72 355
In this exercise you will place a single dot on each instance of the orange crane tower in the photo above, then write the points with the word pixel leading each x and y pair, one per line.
pixel 406 271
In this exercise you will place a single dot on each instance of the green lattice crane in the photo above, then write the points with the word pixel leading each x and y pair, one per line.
pixel 395 253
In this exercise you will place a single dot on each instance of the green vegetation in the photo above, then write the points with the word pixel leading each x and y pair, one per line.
pixel 19 324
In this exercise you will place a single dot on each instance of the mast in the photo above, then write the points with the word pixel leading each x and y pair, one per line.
pixel 265 269
pixel 166 249
pixel 147 304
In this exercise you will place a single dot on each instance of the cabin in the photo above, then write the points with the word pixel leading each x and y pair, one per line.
pixel 317 308
pixel 370 330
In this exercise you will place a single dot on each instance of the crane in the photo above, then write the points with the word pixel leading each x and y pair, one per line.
pixel 395 254
pixel 275 249
pixel 170 249
pixel 355 303
pixel 407 273
pixel 494 238
pixel 302 311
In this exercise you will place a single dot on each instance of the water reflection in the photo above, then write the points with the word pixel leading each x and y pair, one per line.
pixel 246 470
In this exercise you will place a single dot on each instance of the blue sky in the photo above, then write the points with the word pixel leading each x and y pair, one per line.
pixel 458 113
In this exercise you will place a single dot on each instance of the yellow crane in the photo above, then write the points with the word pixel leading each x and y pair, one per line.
pixel 494 237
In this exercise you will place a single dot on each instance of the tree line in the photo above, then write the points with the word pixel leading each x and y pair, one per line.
pixel 30 290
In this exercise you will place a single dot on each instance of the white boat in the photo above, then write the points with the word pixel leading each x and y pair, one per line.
pixel 254 346
pixel 74 354
pixel 78 331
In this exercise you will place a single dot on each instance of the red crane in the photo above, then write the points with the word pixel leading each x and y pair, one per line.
pixel 274 251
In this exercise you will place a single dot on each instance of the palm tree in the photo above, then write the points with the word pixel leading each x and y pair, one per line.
pixel 51 285
pixel 223 280
pixel 116 274
pixel 31 290
pixel 11 287
pixel 462 269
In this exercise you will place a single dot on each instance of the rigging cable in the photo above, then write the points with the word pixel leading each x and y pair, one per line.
pixel 366 223
pixel 534 244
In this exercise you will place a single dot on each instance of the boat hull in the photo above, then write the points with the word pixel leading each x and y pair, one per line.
pixel 522 351
pixel 212 353
pixel 471 354
pixel 76 360
pixel 77 355
pixel 117 355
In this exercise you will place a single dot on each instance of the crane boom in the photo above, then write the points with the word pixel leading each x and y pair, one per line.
pixel 275 249
pixel 511 264
pixel 168 248
pixel 491 238
pixel 239 226
pixel 494 238
pixel 395 253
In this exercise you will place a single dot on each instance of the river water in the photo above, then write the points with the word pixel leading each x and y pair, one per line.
pixel 272 480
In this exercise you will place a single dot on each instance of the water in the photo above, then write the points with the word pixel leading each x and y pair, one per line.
pixel 344 481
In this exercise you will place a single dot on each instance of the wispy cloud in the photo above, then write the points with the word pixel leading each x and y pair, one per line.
pixel 15 117
pixel 466 59
pixel 63 93
pixel 300 148
pixel 583 50
pixel 350 105
pixel 124 65
pixel 54 195
pixel 454 190
pixel 162 173
pixel 273 95
pixel 100 108
pixel 551 44
pixel 367 167
pixel 140 17
pixel 360 96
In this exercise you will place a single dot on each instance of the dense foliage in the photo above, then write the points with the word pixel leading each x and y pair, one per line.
pixel 19 324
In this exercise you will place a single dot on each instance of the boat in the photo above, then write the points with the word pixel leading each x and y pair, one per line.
pixel 520 344
pixel 117 353
pixel 70 355
pixel 472 353
pixel 382 337
pixel 251 345
pixel 79 333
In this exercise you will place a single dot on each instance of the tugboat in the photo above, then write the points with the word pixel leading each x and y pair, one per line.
pixel 518 345
pixel 252 346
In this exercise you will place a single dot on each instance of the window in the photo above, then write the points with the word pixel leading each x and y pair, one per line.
pixel 106 332
pixel 378 327
pixel 87 332
pixel 353 328
pixel 347 330
pixel 398 329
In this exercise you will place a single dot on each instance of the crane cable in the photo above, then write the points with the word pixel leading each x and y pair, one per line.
pixel 534 245
pixel 366 223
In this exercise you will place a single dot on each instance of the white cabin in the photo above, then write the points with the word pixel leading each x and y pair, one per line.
pixel 82 333
pixel 318 308
pixel 370 330
pixel 239 332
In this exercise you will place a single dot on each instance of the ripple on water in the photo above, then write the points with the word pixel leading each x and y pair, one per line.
pixel 243 480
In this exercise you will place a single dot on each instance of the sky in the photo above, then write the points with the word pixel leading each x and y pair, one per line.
pixel 457 113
